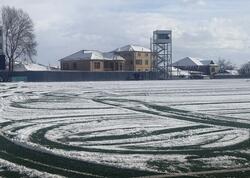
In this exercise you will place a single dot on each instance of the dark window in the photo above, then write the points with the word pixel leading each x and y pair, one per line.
pixel 107 65
pixel 138 62
pixel 163 36
pixel 97 65
pixel 146 54
pixel 74 65
pixel 112 66
pixel 139 54
pixel 146 62
pixel 65 66
pixel 116 66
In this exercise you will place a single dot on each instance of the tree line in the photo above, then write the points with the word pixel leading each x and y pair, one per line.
pixel 20 43
pixel 225 65
pixel 19 36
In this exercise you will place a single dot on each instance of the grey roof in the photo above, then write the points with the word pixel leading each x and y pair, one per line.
pixel 189 61
pixel 134 48
pixel 92 55
pixel 112 56
pixel 207 62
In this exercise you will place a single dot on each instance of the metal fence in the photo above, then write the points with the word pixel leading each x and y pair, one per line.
pixel 61 76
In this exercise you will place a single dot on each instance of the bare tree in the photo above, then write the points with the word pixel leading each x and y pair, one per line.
pixel 225 65
pixel 245 69
pixel 18 35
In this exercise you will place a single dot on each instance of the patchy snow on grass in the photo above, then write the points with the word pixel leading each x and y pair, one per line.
pixel 27 172
pixel 162 126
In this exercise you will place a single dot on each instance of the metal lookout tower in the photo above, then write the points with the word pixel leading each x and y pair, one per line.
pixel 161 46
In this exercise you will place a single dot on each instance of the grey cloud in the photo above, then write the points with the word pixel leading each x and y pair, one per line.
pixel 63 27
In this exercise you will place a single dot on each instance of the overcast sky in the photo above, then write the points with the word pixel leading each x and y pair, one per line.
pixel 206 29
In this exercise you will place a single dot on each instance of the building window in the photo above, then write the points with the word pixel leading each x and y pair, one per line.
pixel 106 65
pixel 146 62
pixel 97 65
pixel 74 65
pixel 65 66
pixel 112 66
pixel 139 54
pixel 138 62
pixel 146 54
pixel 131 62
pixel 116 66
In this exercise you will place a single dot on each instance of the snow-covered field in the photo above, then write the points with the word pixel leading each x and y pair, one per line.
pixel 147 126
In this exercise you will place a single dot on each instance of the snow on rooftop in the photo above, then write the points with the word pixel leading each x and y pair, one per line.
pixel 207 62
pixel 179 72
pixel 190 61
pixel 92 55
pixel 98 55
pixel 135 48
pixel 84 55
pixel 229 72
pixel 30 67
pixel 112 56
pixel 233 72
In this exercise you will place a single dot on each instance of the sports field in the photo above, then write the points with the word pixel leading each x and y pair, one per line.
pixel 125 129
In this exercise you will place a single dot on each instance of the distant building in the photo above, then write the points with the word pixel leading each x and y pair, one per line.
pixel 126 58
pixel 29 66
pixel 137 58
pixel 180 73
pixel 228 74
pixel 205 67
pixel 93 61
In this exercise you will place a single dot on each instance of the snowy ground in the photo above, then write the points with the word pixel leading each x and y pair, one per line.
pixel 148 126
